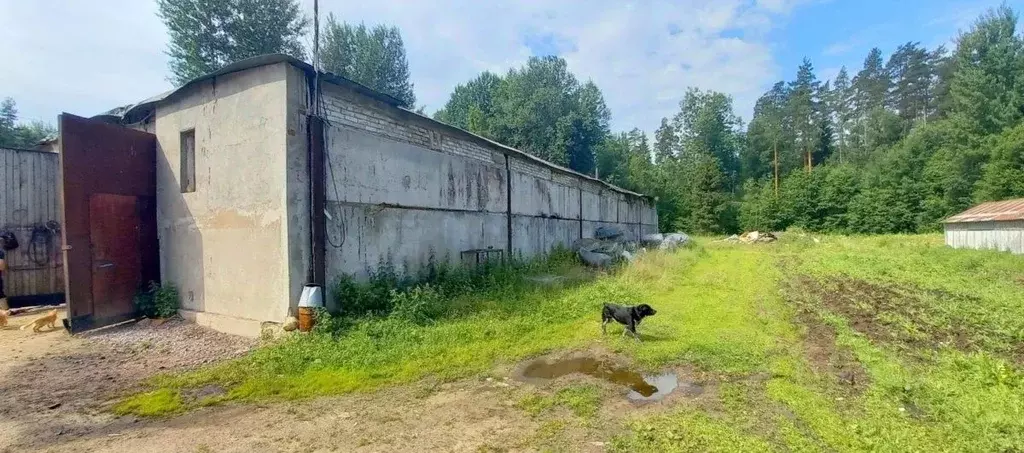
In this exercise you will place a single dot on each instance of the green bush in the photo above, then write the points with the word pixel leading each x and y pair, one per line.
pixel 426 296
pixel 157 301
pixel 419 305
pixel 145 303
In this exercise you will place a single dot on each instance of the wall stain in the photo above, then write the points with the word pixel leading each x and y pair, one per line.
pixel 545 194
pixel 482 193
pixel 230 219
pixel 451 185
pixel 469 190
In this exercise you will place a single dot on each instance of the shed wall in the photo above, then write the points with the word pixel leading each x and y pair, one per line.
pixel 29 206
pixel 225 245
pixel 406 190
pixel 1005 236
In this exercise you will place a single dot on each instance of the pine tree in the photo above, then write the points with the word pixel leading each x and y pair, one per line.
pixel 804 112
pixel 206 35
pixel 911 82
pixel 8 118
pixel 769 137
pixel 841 100
pixel 666 141
pixel 941 65
pixel 823 116
pixel 870 92
pixel 871 84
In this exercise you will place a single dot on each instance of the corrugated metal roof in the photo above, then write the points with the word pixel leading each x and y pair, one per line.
pixel 992 211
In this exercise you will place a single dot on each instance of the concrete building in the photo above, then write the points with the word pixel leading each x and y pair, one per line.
pixel 242 227
pixel 995 225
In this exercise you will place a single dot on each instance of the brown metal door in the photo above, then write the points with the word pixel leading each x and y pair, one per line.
pixel 116 265
pixel 108 178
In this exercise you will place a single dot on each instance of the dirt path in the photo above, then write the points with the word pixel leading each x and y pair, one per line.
pixel 55 387
pixel 55 392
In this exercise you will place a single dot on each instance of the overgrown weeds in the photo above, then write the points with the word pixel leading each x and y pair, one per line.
pixel 157 301
pixel 426 296
pixel 448 324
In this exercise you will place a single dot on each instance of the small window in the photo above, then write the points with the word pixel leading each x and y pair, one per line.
pixel 188 161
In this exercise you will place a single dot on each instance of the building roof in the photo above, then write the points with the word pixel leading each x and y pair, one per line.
pixel 138 112
pixel 992 211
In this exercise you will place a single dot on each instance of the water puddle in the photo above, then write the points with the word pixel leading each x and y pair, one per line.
pixel 641 388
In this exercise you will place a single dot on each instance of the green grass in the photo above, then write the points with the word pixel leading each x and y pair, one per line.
pixel 582 400
pixel 513 321
pixel 158 402
pixel 937 335
pixel 929 390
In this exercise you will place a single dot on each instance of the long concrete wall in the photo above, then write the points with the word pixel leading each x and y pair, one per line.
pixel 404 189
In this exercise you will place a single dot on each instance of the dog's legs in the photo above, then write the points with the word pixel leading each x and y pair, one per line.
pixel 604 324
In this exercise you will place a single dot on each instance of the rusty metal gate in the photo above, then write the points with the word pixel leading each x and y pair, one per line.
pixel 108 178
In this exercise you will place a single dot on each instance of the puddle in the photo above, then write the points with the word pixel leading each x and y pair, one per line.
pixel 641 388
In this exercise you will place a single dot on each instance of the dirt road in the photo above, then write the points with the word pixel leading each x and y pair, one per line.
pixel 56 391
pixel 55 388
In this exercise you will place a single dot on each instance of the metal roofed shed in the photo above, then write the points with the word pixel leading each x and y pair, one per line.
pixel 997 225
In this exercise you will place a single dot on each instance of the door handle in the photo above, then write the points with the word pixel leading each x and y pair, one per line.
pixel 103 264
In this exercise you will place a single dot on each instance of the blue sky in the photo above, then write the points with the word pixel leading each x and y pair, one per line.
pixel 837 33
pixel 86 57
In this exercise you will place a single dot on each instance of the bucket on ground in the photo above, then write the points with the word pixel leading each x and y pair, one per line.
pixel 311 299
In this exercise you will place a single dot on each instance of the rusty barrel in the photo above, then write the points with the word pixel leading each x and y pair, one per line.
pixel 306 320
pixel 312 298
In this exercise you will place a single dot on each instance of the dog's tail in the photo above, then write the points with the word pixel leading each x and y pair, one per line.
pixel 26 325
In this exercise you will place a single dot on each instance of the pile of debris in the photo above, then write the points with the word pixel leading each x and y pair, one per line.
pixel 752 237
pixel 670 241
pixel 612 245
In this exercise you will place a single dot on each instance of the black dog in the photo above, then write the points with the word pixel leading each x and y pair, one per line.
pixel 629 316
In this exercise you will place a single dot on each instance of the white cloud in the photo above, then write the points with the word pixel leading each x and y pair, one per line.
pixel 85 57
pixel 80 57
pixel 841 47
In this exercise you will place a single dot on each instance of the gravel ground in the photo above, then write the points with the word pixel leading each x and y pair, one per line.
pixel 186 345
pixel 56 388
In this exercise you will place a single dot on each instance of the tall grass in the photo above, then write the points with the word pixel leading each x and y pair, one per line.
pixel 450 326
pixel 729 310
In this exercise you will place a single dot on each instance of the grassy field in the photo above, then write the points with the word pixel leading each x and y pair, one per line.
pixel 890 343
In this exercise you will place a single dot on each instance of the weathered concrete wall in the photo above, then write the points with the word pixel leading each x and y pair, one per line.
pixel 394 195
pixel 402 188
pixel 296 240
pixel 226 245
pixel 29 207
pixel 1003 236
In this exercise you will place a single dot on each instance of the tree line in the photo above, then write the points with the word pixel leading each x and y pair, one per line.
pixel 905 143
pixel 908 140
pixel 17 134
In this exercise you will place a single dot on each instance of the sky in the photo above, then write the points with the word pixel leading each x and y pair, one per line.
pixel 85 57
